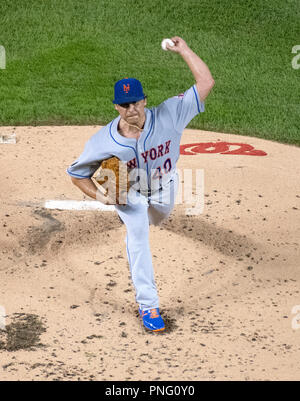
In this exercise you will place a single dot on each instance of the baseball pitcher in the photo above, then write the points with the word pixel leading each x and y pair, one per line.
pixel 147 141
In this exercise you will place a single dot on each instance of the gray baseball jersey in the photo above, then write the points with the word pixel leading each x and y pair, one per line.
pixel 158 147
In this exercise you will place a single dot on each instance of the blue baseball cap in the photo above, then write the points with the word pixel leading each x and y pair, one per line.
pixel 128 90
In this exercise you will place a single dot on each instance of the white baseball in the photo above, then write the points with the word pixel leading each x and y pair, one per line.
pixel 165 42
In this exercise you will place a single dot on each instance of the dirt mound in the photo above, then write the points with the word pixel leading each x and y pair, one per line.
pixel 228 279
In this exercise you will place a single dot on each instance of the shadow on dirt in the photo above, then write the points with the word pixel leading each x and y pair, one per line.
pixel 37 237
pixel 57 228
pixel 219 239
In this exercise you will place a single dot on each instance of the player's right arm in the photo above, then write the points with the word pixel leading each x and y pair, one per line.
pixel 202 74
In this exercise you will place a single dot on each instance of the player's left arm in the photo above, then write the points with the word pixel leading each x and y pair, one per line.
pixel 202 74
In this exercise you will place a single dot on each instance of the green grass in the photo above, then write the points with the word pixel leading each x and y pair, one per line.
pixel 63 57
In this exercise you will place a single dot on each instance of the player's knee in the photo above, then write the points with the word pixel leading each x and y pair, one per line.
pixel 139 234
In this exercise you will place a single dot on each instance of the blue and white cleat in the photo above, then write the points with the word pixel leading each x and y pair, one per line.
pixel 152 319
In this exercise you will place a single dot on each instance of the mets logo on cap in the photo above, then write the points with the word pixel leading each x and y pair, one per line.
pixel 126 88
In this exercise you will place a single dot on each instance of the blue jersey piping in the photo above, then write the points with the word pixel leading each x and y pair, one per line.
pixel 77 175
pixel 152 122
pixel 125 146
pixel 196 99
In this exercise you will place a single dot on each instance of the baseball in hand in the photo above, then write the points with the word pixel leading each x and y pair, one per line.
pixel 165 42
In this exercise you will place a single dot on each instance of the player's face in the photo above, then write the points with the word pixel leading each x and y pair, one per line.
pixel 133 113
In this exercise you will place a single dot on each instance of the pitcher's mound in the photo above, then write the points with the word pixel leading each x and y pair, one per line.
pixel 228 278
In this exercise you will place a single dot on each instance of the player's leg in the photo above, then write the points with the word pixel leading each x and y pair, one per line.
pixel 135 217
pixel 162 202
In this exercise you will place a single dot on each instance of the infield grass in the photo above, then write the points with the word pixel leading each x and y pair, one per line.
pixel 63 57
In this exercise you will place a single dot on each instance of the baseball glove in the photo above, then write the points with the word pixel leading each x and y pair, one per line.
pixel 112 176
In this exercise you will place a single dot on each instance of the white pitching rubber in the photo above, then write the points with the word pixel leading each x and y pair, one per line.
pixel 78 205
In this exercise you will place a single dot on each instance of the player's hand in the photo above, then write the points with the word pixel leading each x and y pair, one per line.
pixel 180 45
